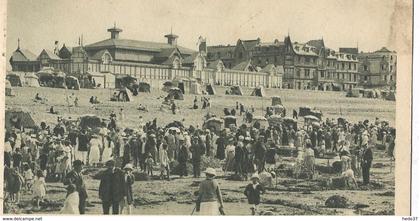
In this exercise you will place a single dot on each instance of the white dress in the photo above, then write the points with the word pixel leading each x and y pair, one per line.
pixel 94 153
pixel 71 204
pixel 38 187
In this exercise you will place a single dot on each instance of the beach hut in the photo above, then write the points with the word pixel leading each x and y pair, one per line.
pixel 234 90
pixel 214 124
pixel 90 121
pixel 259 122
pixel 258 91
pixel 144 87
pixel 72 83
pixel 229 120
pixel 18 118
pixel 210 89
pixel 175 93
pixel 276 101
pixel 15 79
pixel 31 80
pixel 123 95
pixel 8 88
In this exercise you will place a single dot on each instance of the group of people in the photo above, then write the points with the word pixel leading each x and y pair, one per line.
pixel 58 153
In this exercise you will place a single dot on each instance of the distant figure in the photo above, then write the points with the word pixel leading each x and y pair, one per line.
pixel 37 97
pixel 52 111
pixel 76 102
pixel 253 192
pixel 173 107
pixel 295 114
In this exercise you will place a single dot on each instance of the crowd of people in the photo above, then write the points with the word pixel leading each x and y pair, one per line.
pixel 59 152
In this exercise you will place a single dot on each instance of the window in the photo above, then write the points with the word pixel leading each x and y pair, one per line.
pixel 322 74
pixel 390 78
pixel 383 67
pixel 390 68
pixel 298 72
pixel 307 60
pixel 342 66
pixel 365 67
pixel 349 66
pixel 328 63
pixel 307 72
pixel 354 66
pixel 240 55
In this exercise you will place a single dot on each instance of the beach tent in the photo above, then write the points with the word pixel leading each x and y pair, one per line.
pixel 390 96
pixel 278 109
pixel 124 80
pixel 259 122
pixel 15 79
pixel 234 90
pixel 195 88
pixel 167 86
pixel 210 89
pixel 144 87
pixel 91 121
pixel 31 80
pixel 103 79
pixel 258 91
pixel 214 124
pixel 229 120
pixel 72 83
pixel 175 93
pixel 124 95
pixel 9 90
pixel 24 119
pixel 276 101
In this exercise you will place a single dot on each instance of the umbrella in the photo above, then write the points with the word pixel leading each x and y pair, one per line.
pixel 214 119
pixel 176 129
pixel 311 117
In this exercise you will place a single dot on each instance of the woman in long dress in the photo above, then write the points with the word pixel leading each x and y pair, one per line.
pixel 94 153
pixel 108 149
pixel 209 201
pixel 71 204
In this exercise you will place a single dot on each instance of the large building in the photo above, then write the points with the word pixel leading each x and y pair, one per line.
pixel 378 68
pixel 311 65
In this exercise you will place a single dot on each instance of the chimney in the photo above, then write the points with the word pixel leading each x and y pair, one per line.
pixel 114 32
pixel 56 47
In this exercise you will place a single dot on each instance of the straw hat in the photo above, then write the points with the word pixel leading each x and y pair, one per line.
pixel 128 166
pixel 241 137
pixel 210 171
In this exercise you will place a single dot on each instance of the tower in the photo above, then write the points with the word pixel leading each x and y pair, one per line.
pixel 171 38
pixel 114 32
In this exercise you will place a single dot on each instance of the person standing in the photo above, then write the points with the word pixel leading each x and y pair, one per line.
pixel 209 195
pixel 197 151
pixel 111 188
pixel 83 143
pixel 182 159
pixel 71 203
pixel 164 161
pixel 367 158
pixel 260 154
pixel 127 201
pixel 95 145
pixel 253 192
pixel 75 177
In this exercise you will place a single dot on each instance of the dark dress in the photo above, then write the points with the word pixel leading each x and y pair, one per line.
pixel 220 152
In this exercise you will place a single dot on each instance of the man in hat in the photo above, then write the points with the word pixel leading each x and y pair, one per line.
pixel 127 201
pixel 111 188
pixel 367 157
pixel 253 193
pixel 183 158
pixel 239 156
pixel 75 177
pixel 8 151
pixel 197 151
pixel 260 150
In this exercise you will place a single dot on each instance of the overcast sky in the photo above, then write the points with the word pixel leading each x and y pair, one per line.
pixel 341 23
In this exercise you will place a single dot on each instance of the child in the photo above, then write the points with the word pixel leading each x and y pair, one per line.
pixel 164 161
pixel 28 176
pixel 149 164
pixel 253 192
pixel 71 204
pixel 39 189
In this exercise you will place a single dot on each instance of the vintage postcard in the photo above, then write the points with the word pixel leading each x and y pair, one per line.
pixel 199 107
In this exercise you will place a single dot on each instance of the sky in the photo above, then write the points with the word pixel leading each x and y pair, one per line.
pixel 341 23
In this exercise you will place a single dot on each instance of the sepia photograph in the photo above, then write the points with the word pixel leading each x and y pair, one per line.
pixel 185 107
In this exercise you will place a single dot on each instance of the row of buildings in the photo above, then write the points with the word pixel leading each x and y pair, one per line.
pixel 284 64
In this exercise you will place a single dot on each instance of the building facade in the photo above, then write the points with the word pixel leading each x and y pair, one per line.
pixel 378 69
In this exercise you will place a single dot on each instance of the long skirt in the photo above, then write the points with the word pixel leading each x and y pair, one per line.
pixel 209 208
